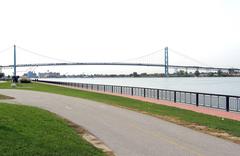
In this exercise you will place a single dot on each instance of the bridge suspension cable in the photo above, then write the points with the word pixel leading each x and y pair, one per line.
pixel 66 61
pixel 49 57
pixel 6 49
pixel 143 57
pixel 26 70
pixel 188 57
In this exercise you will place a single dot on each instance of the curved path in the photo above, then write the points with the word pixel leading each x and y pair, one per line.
pixel 126 132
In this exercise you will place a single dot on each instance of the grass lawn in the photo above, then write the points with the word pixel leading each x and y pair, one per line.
pixel 29 131
pixel 187 117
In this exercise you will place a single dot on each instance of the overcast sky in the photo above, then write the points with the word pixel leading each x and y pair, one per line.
pixel 117 30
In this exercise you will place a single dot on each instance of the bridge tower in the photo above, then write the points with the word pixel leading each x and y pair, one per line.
pixel 14 78
pixel 166 61
pixel 14 62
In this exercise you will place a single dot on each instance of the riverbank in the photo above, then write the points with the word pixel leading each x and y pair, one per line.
pixel 225 128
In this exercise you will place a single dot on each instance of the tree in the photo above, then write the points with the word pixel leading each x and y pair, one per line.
pixel 231 71
pixel 2 75
pixel 219 73
pixel 210 74
pixel 181 73
pixel 197 73
pixel 135 74
pixel 143 75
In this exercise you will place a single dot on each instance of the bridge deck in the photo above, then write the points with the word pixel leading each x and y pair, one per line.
pixel 119 64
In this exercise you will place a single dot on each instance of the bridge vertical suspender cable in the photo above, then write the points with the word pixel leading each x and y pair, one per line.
pixel 14 62
pixel 41 55
pixel 4 50
pixel 166 61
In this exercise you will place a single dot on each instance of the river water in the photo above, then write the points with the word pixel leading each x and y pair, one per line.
pixel 219 85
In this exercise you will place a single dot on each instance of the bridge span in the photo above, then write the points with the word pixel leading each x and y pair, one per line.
pixel 149 64
pixel 123 64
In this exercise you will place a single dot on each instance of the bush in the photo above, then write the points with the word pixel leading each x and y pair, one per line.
pixel 24 80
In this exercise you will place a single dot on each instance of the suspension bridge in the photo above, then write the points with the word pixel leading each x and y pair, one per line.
pixel 164 65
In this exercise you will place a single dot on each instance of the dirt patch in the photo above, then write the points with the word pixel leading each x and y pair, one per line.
pixel 91 138
pixel 4 97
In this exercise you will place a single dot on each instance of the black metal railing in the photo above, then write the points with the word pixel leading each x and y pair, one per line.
pixel 218 101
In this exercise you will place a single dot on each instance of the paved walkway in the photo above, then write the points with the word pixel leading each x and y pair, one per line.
pixel 126 132
pixel 200 109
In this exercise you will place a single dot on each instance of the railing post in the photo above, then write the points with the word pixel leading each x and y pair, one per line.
pixel 227 103
pixel 112 89
pixel 132 91
pixel 197 99
pixel 97 87
pixel 144 92
pixel 121 89
pixel 175 96
pixel 104 88
pixel 158 94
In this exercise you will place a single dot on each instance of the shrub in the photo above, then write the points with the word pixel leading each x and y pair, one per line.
pixel 24 80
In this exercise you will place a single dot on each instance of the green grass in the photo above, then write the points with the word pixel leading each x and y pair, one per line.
pixel 230 126
pixel 32 131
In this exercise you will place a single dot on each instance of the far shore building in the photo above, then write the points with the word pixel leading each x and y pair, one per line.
pixel 30 74
pixel 49 75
